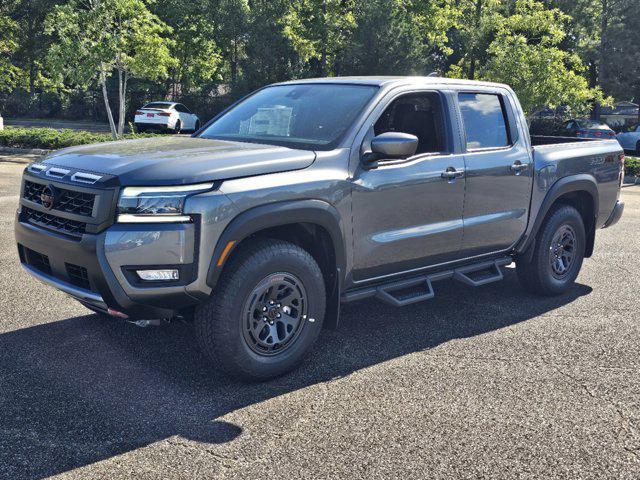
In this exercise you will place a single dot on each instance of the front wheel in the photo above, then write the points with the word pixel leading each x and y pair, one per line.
pixel 178 127
pixel 265 313
pixel 558 253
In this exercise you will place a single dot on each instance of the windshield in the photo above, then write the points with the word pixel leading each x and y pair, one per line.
pixel 594 125
pixel 307 116
pixel 158 105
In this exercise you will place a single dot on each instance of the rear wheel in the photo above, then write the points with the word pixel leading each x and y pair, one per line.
pixel 197 126
pixel 265 313
pixel 140 129
pixel 638 148
pixel 558 253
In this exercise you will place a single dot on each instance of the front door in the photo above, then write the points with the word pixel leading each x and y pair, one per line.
pixel 499 174
pixel 408 214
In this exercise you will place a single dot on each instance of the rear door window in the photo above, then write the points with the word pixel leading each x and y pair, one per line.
pixel 484 120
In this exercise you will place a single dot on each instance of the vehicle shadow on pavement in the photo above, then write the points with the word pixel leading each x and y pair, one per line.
pixel 81 390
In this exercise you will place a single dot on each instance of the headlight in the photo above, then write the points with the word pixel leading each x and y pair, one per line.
pixel 156 204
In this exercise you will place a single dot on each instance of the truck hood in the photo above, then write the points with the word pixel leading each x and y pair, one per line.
pixel 179 160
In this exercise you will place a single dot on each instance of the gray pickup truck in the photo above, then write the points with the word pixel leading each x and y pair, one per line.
pixel 308 194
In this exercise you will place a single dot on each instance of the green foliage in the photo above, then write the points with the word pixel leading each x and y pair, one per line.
pixel 552 52
pixel 53 139
pixel 398 37
pixel 552 126
pixel 9 73
pixel 318 31
pixel 525 52
pixel 632 166
pixel 98 36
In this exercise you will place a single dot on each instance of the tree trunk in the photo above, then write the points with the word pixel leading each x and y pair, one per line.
pixel 112 125
pixel 122 85
pixel 602 53
pixel 474 47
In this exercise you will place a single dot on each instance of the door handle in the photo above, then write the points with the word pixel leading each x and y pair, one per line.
pixel 518 167
pixel 451 173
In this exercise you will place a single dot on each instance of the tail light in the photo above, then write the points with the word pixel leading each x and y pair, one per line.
pixel 163 114
pixel 581 132
pixel 597 134
pixel 138 112
pixel 612 134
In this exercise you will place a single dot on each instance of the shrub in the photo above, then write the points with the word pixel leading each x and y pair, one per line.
pixel 547 126
pixel 53 139
pixel 632 166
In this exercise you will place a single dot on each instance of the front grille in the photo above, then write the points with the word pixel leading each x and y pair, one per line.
pixel 69 201
pixel 38 261
pixel 78 276
pixel 63 225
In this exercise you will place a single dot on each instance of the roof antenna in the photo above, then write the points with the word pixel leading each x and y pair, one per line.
pixel 433 74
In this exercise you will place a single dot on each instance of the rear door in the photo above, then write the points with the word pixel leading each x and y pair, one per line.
pixel 499 172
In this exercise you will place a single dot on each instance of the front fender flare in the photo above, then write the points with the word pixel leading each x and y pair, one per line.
pixel 254 220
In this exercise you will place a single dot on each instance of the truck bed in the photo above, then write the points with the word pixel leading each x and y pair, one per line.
pixel 538 140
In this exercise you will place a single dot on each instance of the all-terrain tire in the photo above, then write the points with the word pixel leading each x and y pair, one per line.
pixel 225 325
pixel 553 268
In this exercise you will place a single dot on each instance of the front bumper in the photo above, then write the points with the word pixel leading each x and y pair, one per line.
pixel 93 269
pixel 615 214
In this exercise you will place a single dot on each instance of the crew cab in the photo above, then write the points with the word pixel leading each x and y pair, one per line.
pixel 308 194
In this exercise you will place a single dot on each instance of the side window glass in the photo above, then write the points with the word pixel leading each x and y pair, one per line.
pixel 416 114
pixel 484 120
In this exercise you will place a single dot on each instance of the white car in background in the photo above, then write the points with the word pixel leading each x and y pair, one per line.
pixel 168 116
pixel 630 140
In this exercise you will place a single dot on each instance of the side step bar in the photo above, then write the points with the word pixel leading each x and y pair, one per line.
pixel 416 289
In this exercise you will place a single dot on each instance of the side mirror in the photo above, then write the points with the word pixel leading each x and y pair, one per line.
pixel 392 145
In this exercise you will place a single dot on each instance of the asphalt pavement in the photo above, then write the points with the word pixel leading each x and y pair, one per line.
pixel 476 383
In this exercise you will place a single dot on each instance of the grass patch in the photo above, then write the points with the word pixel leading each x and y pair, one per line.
pixel 53 139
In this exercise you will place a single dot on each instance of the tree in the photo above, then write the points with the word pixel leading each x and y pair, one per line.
pixel 9 73
pixel 471 37
pixel 525 53
pixel 598 34
pixel 398 37
pixel 195 47
pixel 319 30
pixel 96 39
pixel 269 54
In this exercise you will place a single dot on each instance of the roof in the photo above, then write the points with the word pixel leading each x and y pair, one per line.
pixel 393 80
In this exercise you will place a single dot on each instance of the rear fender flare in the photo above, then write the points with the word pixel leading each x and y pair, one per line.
pixel 572 183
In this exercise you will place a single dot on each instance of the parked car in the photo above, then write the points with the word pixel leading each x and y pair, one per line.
pixel 588 129
pixel 166 116
pixel 313 193
pixel 630 139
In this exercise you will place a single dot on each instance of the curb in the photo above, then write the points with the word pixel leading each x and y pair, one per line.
pixel 30 151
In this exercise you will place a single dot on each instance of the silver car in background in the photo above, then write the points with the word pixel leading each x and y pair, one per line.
pixel 630 139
